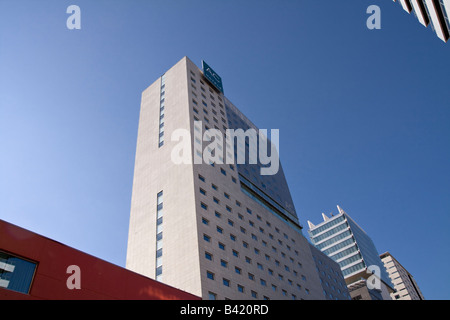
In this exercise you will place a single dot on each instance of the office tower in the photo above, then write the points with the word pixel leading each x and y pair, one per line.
pixel 215 229
pixel 405 286
pixel 331 278
pixel 434 12
pixel 343 240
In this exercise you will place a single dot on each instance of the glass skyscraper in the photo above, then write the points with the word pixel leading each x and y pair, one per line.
pixel 343 240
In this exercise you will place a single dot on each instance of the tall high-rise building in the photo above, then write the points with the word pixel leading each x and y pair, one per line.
pixel 343 240
pixel 405 286
pixel 214 228
pixel 434 12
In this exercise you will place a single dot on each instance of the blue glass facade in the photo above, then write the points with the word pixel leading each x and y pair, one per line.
pixel 271 191
pixel 345 242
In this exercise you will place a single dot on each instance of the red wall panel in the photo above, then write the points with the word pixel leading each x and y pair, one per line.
pixel 99 279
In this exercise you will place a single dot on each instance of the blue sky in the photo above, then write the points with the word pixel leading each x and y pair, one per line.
pixel 363 114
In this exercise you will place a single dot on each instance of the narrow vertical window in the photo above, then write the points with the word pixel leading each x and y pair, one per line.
pixel 161 111
pixel 159 235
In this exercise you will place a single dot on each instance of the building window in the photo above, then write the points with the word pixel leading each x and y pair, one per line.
pixel 240 288
pixel 159 235
pixel 226 282
pixel 208 256
pixel 212 296
pixel 159 273
pixel 161 112
pixel 210 275
pixel 16 274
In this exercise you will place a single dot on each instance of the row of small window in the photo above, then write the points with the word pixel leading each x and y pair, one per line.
pixel 327 275
pixel 159 236
pixel 336 273
pixel 248 210
pixel 330 296
pixel 206 113
pixel 161 111
pixel 333 287
pixel 249 260
pixel 222 171
pixel 206 123
pixel 240 288
pixel 244 231
pixel 211 91
pixel 205 104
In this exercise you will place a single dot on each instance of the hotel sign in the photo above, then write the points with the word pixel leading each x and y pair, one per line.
pixel 212 76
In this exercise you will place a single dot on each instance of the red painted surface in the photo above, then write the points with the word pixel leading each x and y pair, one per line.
pixel 99 279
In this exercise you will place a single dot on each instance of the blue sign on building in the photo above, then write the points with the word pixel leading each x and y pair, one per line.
pixel 212 76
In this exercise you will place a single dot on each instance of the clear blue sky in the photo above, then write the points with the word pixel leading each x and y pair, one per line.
pixel 364 115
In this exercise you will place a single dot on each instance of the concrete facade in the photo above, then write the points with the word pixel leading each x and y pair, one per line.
pixel 217 242
pixel 405 287
pixel 333 282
